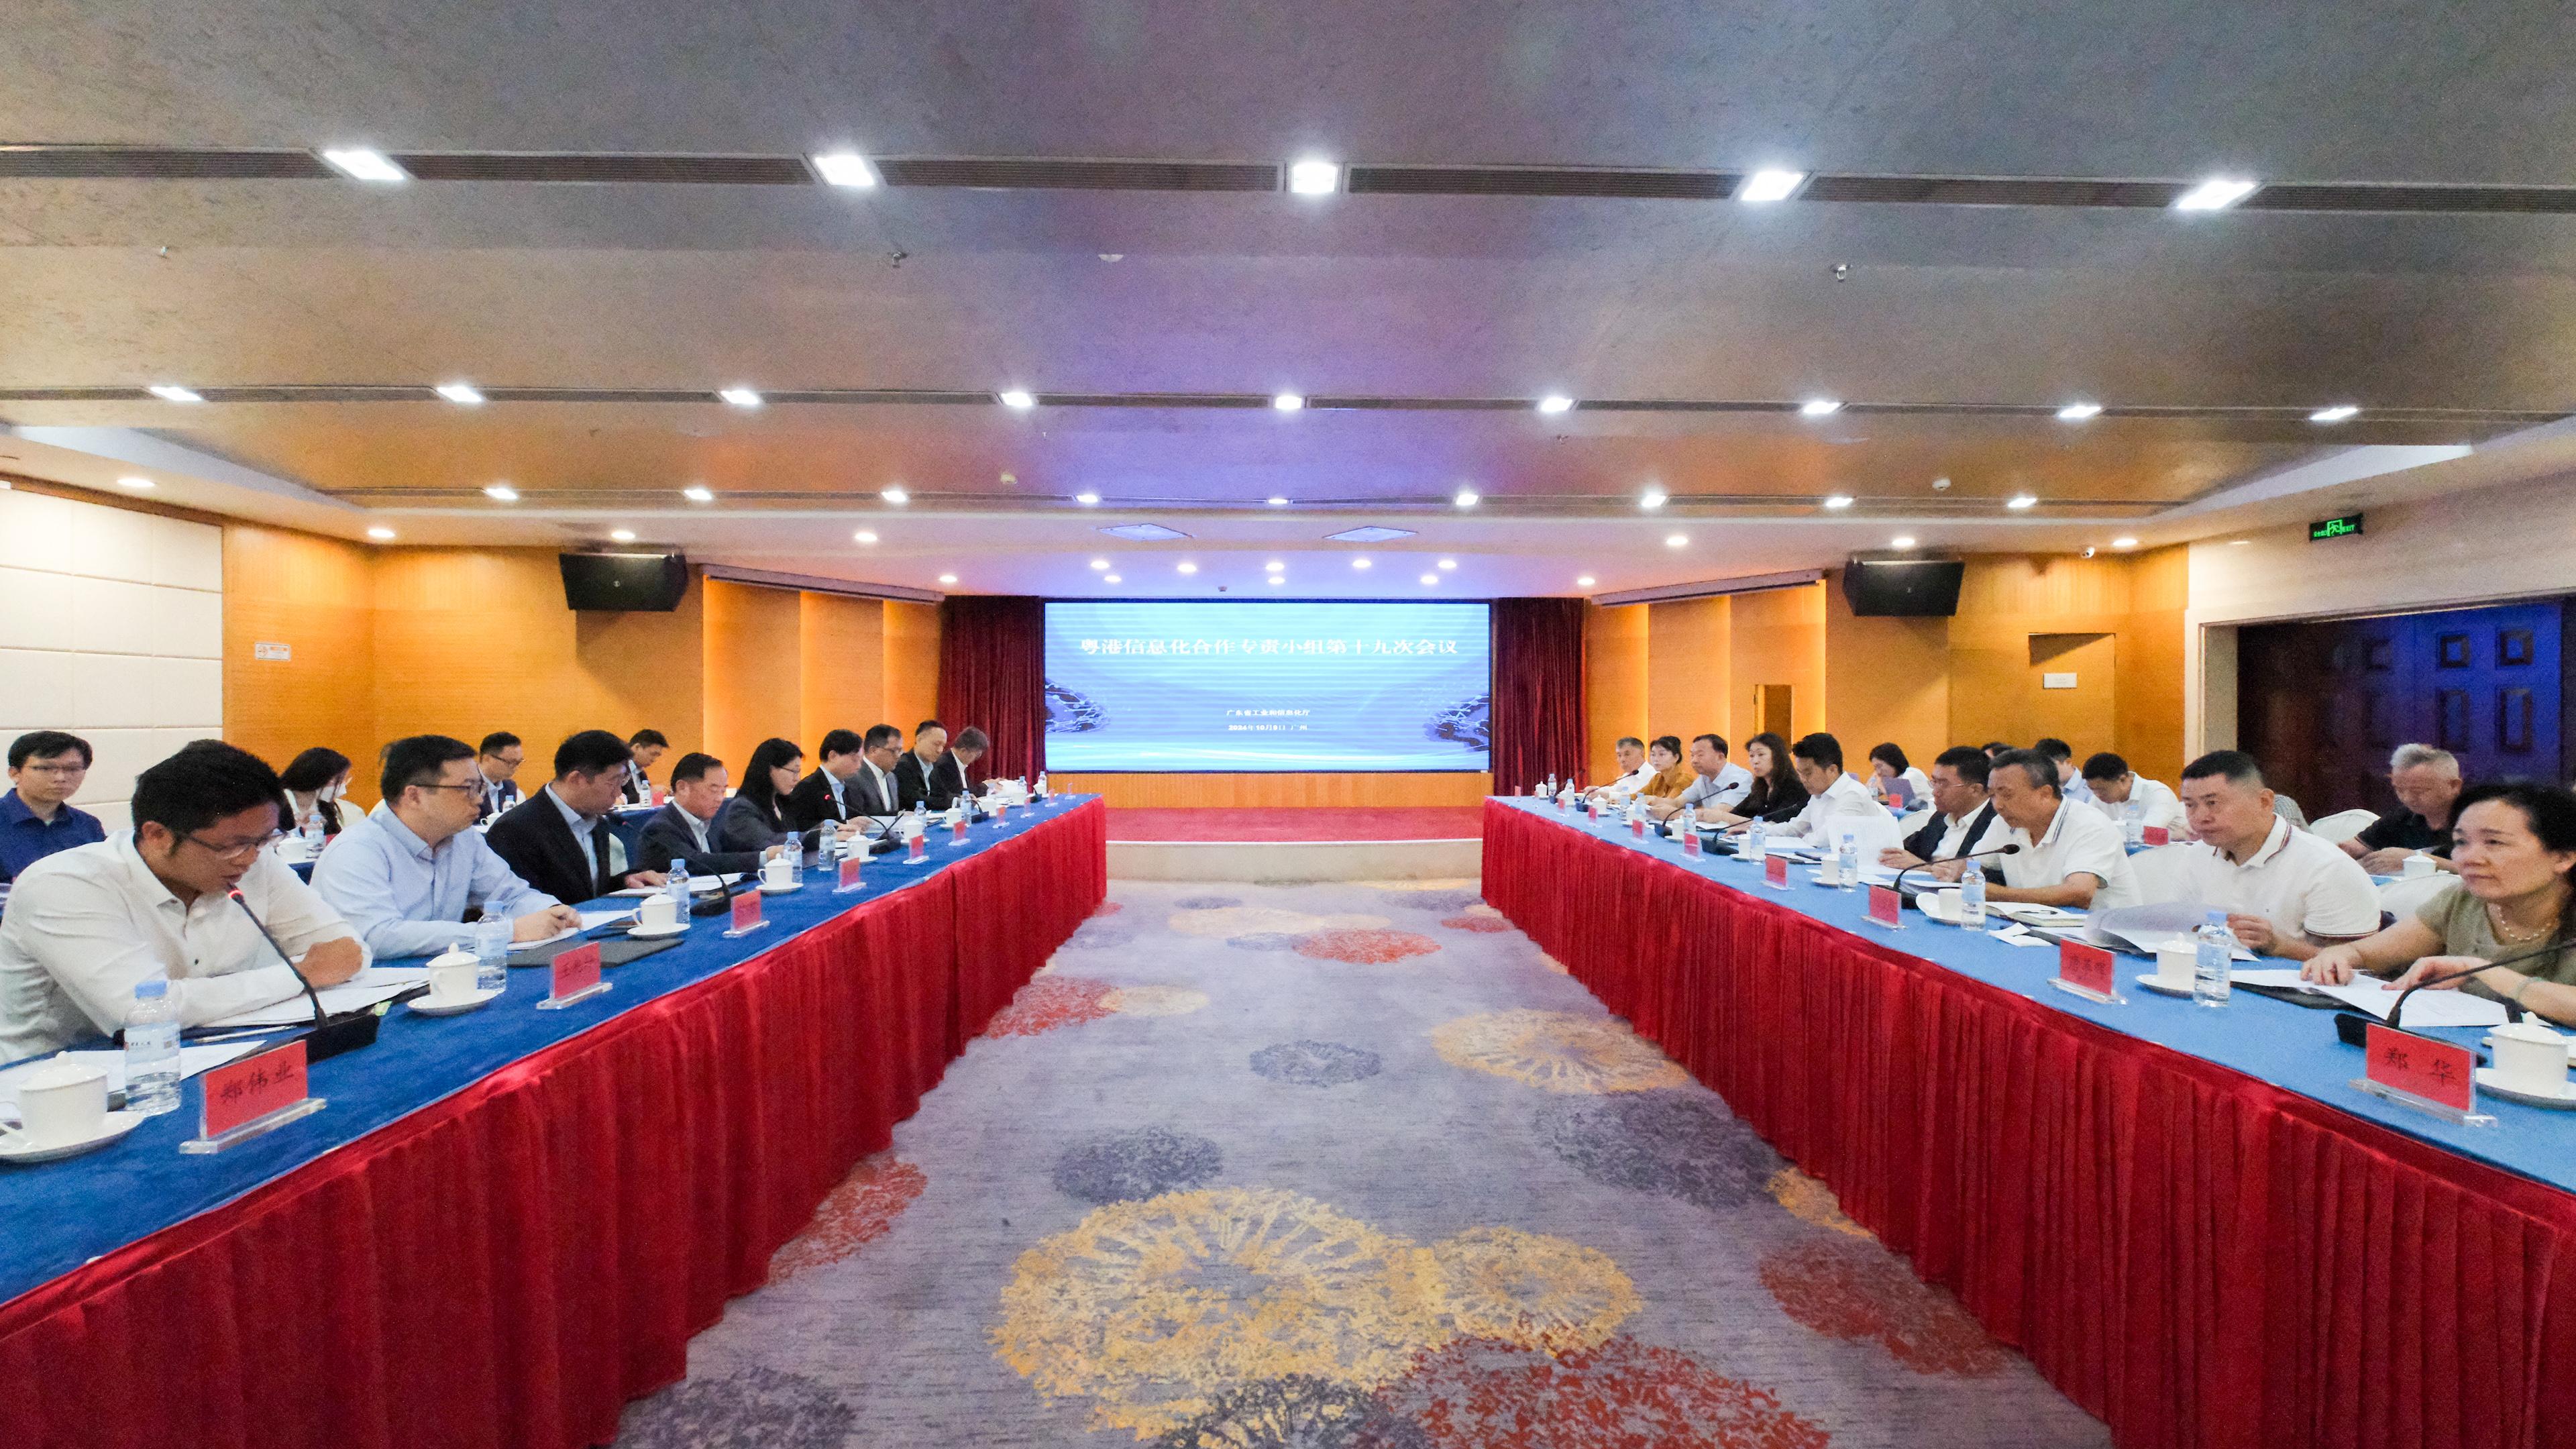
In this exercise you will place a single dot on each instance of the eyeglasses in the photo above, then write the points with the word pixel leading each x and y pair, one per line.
pixel 55 769
pixel 474 788
pixel 237 852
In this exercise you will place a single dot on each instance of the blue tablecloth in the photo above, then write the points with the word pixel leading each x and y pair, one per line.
pixel 62 1214
pixel 2288 1046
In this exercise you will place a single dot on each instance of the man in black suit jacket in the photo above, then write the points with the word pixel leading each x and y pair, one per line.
pixel 648 746
pixel 822 795
pixel 684 830
pixel 1962 817
pixel 558 839
pixel 918 779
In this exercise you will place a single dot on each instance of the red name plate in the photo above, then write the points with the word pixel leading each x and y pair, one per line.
pixel 577 970
pixel 849 872
pixel 1637 827
pixel 1886 905
pixel 2434 1070
pixel 958 830
pixel 253 1087
pixel 2090 967
pixel 661 797
pixel 1594 810
pixel 1560 804
pixel 2156 835
pixel 746 910
pixel 1775 869
pixel 920 847
pixel 1001 813
pixel 1690 842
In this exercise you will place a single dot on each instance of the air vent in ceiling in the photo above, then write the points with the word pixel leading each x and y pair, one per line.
pixel 1992 191
pixel 566 166
pixel 1611 181
pixel 160 163
pixel 1144 532
pixel 1010 174
pixel 2297 196
pixel 1369 534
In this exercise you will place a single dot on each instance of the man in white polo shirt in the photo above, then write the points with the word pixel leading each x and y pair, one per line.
pixel 1837 803
pixel 2286 892
pixel 2122 794
pixel 2070 856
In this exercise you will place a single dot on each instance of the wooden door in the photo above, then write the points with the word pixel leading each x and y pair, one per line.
pixel 1771 709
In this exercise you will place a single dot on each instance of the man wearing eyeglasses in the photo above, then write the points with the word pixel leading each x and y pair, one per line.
pixel 405 873
pixel 85 925
pixel 558 839
pixel 36 817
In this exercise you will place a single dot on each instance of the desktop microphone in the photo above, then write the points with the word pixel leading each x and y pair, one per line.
pixel 2512 1009
pixel 2013 848
pixel 331 1035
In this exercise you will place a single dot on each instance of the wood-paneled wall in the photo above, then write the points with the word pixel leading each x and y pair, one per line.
pixel 1779 638
pixel 1281 791
pixel 317 597
pixel 1615 678
pixel 754 669
pixel 1689 657
pixel 912 666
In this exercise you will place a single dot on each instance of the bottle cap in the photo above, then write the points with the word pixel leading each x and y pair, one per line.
pixel 152 988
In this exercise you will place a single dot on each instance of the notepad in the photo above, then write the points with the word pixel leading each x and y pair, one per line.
pixel 376 983
pixel 2424 1008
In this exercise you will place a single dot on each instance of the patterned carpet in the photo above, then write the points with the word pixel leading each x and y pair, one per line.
pixel 1335 1167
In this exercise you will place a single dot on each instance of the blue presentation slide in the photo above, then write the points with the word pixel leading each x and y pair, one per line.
pixel 1174 687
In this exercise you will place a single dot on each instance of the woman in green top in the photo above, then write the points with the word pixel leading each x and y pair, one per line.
pixel 2515 846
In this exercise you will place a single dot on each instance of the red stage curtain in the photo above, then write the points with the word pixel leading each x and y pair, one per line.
pixel 992 673
pixel 1538 692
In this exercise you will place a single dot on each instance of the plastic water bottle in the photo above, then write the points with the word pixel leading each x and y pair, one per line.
pixel 1042 784
pixel 1757 841
pixel 1847 860
pixel 678 889
pixel 2213 957
pixel 152 1049
pixel 2133 820
pixel 310 828
pixel 492 952
pixel 1972 897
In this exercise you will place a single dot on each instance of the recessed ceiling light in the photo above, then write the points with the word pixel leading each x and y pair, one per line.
pixel 1556 403
pixel 1020 398
pixel 1359 563
pixel 1109 578
pixel 1087 500
pixel 864 535
pixel 1431 578
pixel 502 492
pixel 2076 412
pixel 1448 563
pixel 1838 500
pixel 137 484
pixel 381 535
pixel 1314 176
pixel 621 535
pixel 741 397
pixel 460 392
pixel 1274 565
pixel 1817 407
pixel 2022 500
pixel 1100 563
pixel 894 495
pixel 2336 414
pixel 948 578
pixel 2124 543
pixel 1276 579
pixel 1769 185
pixel 1188 567
pixel 1466 498
pixel 1288 402
pixel 698 493
pixel 1676 540
pixel 2215 194
pixel 1278 502
pixel 1584 582
pixel 172 392
pixel 359 164
pixel 1902 540
pixel 1651 498
pixel 845 168
pixel 2238 542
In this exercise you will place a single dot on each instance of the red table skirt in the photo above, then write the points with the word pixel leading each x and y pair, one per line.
pixel 511 1265
pixel 2195 1256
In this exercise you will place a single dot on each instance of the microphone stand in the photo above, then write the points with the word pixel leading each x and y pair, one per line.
pixel 331 1035
pixel 1898 884
pixel 2512 1009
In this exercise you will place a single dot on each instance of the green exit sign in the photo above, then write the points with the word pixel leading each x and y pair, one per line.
pixel 2348 526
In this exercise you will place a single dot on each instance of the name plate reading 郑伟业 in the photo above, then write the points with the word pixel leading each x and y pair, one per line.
pixel 246 1098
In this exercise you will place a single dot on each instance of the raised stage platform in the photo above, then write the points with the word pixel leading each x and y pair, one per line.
pixel 1415 843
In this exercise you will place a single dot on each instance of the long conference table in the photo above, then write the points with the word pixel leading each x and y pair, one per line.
pixel 2186 1218
pixel 506 1225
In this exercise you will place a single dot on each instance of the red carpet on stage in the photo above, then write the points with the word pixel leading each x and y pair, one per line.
pixel 1430 822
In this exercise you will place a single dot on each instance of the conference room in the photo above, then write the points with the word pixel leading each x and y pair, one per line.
pixel 1392 726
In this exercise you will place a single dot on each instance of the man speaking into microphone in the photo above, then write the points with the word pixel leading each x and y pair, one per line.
pixel 85 925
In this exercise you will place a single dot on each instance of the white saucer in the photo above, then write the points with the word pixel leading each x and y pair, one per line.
pixel 655 933
pixel 776 890
pixel 2489 1080
pixel 427 1007
pixel 15 1147
pixel 2157 984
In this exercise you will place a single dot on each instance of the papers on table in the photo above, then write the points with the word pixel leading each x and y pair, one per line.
pixel 2019 935
pixel 700 883
pixel 2031 915
pixel 376 983
pixel 192 1060
pixel 593 920
pixel 2145 929
pixel 2424 1008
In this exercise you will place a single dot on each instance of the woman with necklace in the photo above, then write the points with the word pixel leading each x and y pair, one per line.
pixel 2515 849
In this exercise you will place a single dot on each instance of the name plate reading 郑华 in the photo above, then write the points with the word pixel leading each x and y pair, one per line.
pixel 2419 1066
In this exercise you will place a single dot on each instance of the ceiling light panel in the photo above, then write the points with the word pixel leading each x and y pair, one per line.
pixel 1770 186
pixel 1314 176
pixel 466 394
pixel 845 168
pixel 2216 194
pixel 360 164
pixel 172 392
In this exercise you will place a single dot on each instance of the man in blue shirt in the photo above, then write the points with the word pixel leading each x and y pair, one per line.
pixel 404 874
pixel 36 817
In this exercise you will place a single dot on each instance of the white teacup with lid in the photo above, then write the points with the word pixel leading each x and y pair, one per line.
pixel 2529 1058
pixel 62 1102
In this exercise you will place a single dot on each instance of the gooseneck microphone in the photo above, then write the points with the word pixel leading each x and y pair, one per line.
pixel 300 978
pixel 331 1035
pixel 2012 848
pixel 2512 1009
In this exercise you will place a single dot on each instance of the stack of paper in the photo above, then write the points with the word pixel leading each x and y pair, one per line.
pixel 2424 1008
pixel 376 983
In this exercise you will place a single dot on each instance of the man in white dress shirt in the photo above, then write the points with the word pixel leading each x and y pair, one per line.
pixel 2070 856
pixel 85 925
pixel 1963 820
pixel 2286 892
pixel 2118 791
pixel 1837 801
pixel 1716 786
pixel 1634 772
pixel 405 872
